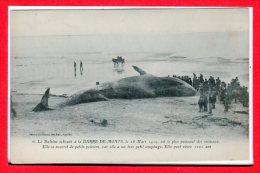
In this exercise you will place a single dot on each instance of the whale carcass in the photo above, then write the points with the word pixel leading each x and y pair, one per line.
pixel 135 87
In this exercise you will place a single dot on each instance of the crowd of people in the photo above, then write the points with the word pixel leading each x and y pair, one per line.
pixel 212 89
pixel 184 78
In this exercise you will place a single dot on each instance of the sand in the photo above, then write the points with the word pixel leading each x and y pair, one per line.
pixel 159 117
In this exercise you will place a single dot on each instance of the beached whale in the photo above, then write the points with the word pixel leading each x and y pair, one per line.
pixel 136 87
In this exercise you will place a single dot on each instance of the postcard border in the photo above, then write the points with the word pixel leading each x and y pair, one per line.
pixel 236 162
pixel 4 76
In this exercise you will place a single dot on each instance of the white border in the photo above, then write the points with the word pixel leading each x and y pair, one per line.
pixel 111 7
pixel 242 162
pixel 250 89
pixel 9 89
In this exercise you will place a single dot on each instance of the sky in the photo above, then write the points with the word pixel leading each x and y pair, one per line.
pixel 127 22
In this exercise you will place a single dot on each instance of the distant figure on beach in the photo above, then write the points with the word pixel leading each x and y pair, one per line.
pixel 118 60
pixel 119 64
pixel 75 68
pixel 97 84
pixel 81 67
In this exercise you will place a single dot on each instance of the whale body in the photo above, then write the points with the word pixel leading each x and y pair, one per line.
pixel 135 87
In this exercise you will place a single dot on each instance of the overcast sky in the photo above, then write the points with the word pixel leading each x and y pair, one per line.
pixel 94 22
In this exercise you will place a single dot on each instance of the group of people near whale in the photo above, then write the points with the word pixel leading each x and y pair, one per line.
pixel 184 78
pixel 211 89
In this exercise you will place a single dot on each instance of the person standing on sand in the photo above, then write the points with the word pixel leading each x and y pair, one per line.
pixel 244 96
pixel 205 85
pixel 81 67
pixel 195 82
pixel 201 80
pixel 223 89
pixel 211 100
pixel 226 101
pixel 218 82
pixel 211 82
pixel 75 68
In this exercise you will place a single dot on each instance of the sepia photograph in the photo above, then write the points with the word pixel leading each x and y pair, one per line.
pixel 130 86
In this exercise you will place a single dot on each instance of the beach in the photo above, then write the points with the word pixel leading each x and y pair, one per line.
pixel 35 69
pixel 32 73
pixel 176 117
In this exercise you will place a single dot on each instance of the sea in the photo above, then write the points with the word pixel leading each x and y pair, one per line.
pixel 41 62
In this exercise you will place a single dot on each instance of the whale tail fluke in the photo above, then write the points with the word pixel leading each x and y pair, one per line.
pixel 43 105
pixel 140 71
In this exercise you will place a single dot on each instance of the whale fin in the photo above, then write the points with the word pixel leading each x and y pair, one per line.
pixel 43 105
pixel 140 71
